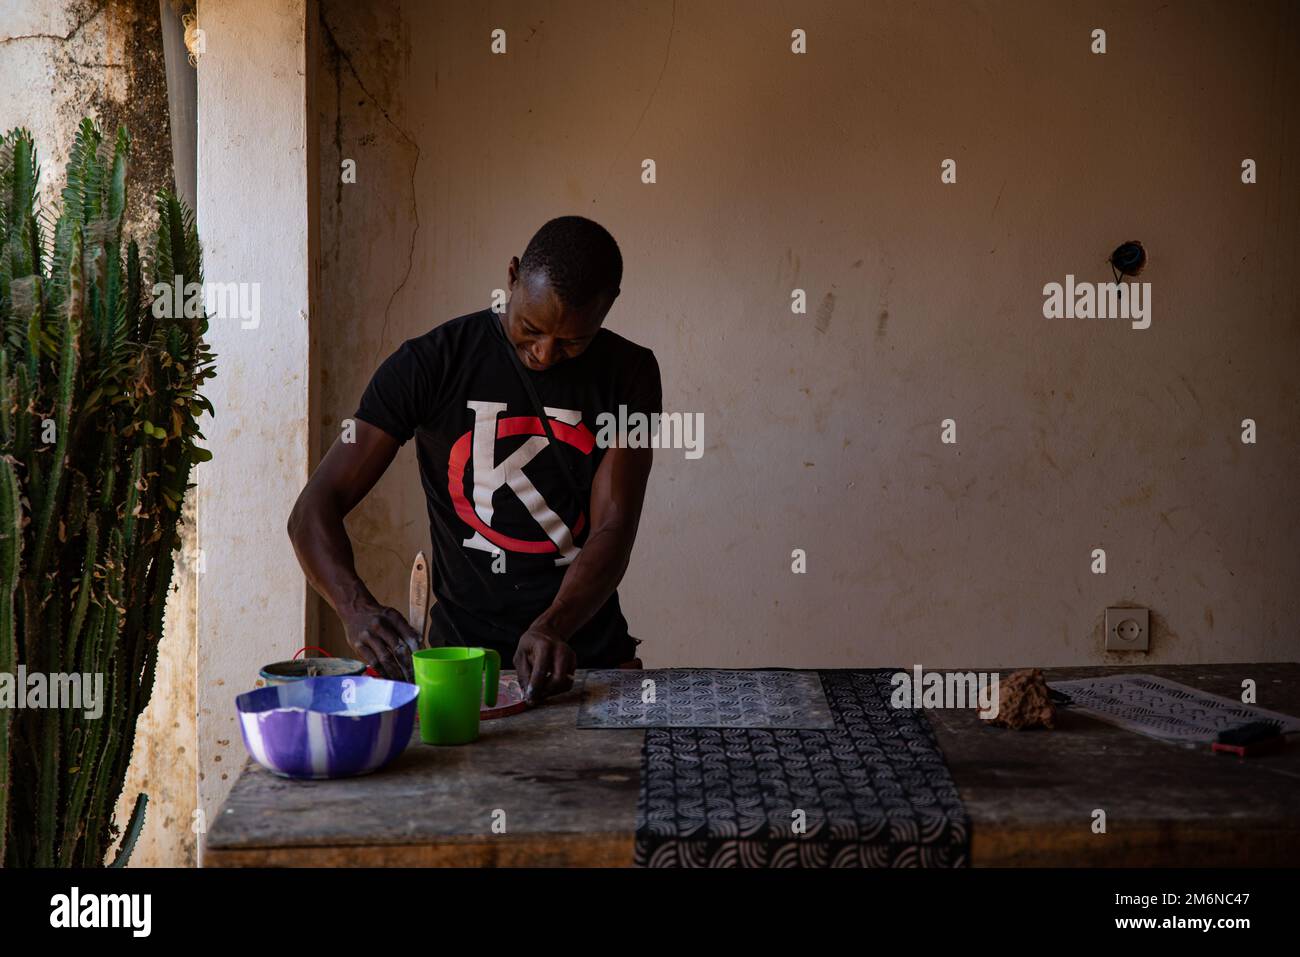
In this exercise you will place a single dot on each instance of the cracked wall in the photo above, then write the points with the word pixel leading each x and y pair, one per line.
pixel 822 431
pixel 60 62
pixel 362 114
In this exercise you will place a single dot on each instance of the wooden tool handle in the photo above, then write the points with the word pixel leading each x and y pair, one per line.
pixel 418 607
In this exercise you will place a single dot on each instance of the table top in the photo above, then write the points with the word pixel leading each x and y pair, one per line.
pixel 568 796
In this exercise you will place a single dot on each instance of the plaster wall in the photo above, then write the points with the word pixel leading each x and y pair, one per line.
pixel 822 172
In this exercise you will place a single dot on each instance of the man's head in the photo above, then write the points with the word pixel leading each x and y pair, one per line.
pixel 561 291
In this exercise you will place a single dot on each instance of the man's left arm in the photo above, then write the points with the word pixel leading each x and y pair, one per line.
pixel 544 660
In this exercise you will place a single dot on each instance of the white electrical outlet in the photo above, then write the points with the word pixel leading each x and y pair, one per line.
pixel 1128 629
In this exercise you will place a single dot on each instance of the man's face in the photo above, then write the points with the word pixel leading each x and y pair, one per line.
pixel 543 330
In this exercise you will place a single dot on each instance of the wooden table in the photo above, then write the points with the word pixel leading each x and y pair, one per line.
pixel 569 796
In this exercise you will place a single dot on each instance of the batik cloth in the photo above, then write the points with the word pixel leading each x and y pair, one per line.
pixel 873 791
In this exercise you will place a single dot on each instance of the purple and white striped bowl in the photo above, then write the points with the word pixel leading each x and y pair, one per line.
pixel 328 727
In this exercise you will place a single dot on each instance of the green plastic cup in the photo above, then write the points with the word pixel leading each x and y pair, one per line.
pixel 454 684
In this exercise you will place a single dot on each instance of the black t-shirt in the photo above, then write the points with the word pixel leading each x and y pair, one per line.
pixel 497 496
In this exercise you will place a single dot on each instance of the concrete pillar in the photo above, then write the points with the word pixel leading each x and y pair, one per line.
pixel 253 216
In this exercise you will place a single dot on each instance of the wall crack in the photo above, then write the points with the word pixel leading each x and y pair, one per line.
pixel 342 54
pixel 96 11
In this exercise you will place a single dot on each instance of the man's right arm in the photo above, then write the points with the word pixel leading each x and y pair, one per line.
pixel 379 634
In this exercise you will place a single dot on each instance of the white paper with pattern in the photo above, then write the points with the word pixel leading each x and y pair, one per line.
pixel 1164 709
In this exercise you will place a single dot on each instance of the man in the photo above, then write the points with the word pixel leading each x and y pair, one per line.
pixel 530 536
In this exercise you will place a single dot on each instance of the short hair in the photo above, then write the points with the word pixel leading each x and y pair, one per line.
pixel 578 257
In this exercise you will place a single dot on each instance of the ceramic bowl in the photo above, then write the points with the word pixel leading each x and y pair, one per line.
pixel 300 669
pixel 329 727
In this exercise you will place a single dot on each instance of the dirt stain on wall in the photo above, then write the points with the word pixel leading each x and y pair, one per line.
pixel 825 311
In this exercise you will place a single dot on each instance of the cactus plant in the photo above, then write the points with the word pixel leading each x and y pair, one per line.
pixel 99 409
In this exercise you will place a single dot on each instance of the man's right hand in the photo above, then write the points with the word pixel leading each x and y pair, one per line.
pixel 383 639
pixel 380 636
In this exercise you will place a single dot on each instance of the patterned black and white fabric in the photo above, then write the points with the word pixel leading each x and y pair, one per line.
pixel 703 697
pixel 874 791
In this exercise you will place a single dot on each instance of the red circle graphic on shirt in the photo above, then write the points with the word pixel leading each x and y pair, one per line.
pixel 575 436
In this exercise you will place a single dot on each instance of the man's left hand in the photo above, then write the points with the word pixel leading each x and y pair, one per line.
pixel 545 665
